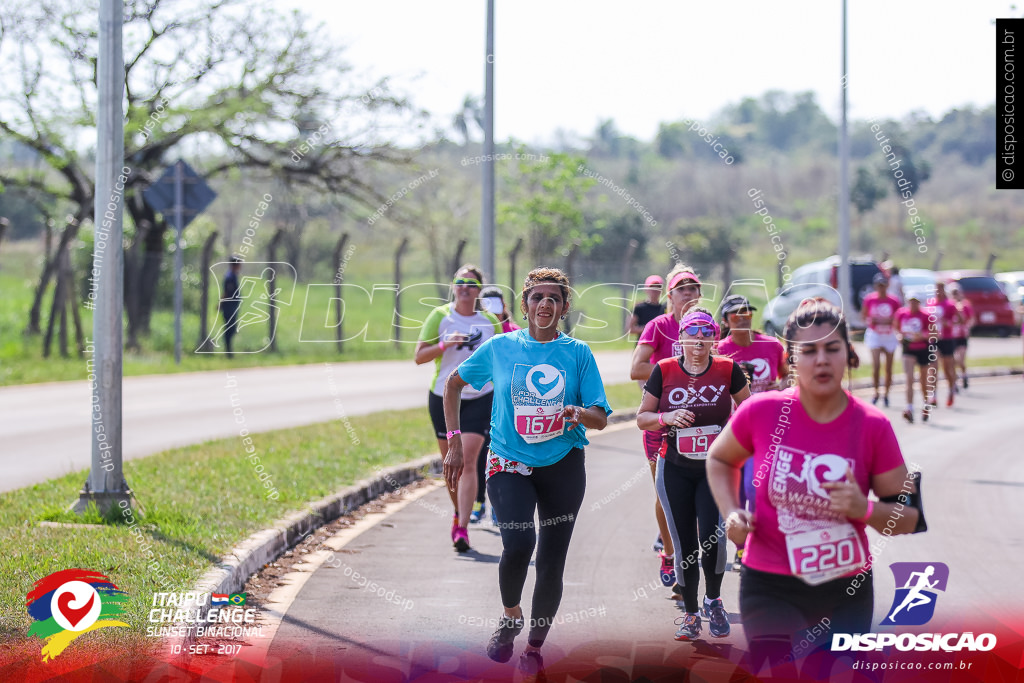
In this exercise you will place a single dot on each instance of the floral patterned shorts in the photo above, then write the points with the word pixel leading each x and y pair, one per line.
pixel 496 463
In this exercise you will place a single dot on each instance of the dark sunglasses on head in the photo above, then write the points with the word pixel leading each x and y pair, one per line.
pixel 466 281
pixel 741 311
pixel 699 331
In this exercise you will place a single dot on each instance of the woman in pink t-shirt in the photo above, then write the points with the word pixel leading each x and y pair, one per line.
pixel 817 453
pixel 660 340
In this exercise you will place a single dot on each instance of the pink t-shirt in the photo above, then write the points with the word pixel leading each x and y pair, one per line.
pixel 767 354
pixel 662 334
pixel 914 328
pixel 793 456
pixel 879 312
pixel 966 312
pixel 945 313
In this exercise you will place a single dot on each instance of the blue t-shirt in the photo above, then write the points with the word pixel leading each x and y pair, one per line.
pixel 533 382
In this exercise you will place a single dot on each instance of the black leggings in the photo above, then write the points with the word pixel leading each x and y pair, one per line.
pixel 694 523
pixel 786 619
pixel 556 493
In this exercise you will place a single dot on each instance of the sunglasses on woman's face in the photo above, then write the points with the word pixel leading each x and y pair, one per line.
pixel 699 331
pixel 466 281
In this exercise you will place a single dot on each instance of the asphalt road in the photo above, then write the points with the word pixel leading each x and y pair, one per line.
pixel 44 428
pixel 613 606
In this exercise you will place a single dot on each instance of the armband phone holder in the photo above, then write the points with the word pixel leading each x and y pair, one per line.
pixel 912 499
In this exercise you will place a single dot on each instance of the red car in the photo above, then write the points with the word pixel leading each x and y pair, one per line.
pixel 992 309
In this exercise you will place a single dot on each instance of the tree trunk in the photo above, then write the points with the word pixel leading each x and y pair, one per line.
pixel 49 267
pixel 457 258
pixel 4 224
pixel 204 287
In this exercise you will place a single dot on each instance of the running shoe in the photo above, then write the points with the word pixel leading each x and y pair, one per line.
pixel 908 415
pixel 531 663
pixel 737 564
pixel 965 380
pixel 658 545
pixel 677 591
pixel 668 571
pixel 478 512
pixel 502 643
pixel 874 401
pixel 949 401
pixel 885 401
pixel 689 628
pixel 718 618
pixel 924 412
pixel 460 539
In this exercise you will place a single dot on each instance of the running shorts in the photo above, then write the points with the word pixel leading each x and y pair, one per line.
pixel 652 445
pixel 919 355
pixel 947 347
pixel 474 415
pixel 873 340
pixel 961 342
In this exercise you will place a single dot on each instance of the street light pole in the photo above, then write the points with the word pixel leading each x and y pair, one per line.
pixel 106 485
pixel 488 210
pixel 845 290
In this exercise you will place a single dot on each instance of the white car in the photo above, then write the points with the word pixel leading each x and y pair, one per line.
pixel 1013 284
pixel 919 281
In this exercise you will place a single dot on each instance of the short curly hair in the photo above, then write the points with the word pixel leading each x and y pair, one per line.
pixel 541 276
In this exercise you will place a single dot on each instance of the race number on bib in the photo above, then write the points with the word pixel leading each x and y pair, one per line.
pixel 819 556
pixel 538 423
pixel 694 442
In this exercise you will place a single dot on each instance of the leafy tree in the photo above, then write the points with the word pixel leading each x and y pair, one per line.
pixel 207 77
pixel 472 112
pixel 866 190
pixel 543 202
pixel 712 241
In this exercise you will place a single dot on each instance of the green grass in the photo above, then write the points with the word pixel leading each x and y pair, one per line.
pixel 199 502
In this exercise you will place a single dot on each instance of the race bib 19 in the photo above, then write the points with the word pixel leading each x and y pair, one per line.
pixel 694 442
pixel 824 554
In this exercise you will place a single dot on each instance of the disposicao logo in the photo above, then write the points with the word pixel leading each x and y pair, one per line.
pixel 70 603
pixel 914 603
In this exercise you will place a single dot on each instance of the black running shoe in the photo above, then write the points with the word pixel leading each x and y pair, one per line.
pixel 718 618
pixel 502 643
pixel 965 381
pixel 658 546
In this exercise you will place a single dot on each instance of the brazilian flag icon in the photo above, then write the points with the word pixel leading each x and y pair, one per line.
pixel 237 599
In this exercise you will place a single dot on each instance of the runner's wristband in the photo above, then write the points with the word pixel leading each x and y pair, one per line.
pixel 660 420
pixel 454 432
pixel 440 345
pixel 867 515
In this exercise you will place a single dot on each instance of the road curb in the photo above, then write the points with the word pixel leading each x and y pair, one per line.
pixel 264 546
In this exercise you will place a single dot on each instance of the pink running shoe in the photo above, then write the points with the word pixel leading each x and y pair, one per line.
pixel 460 539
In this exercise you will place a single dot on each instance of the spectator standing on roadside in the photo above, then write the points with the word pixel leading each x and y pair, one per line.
pixel 646 311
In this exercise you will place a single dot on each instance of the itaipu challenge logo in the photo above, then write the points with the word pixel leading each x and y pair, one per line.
pixel 71 603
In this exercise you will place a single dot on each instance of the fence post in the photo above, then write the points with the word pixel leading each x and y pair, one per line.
pixel 338 277
pixel 396 328
pixel 204 290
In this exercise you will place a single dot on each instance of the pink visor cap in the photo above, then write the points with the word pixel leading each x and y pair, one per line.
pixel 702 319
pixel 680 277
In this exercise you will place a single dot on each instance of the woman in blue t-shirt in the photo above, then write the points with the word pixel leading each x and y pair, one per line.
pixel 547 393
